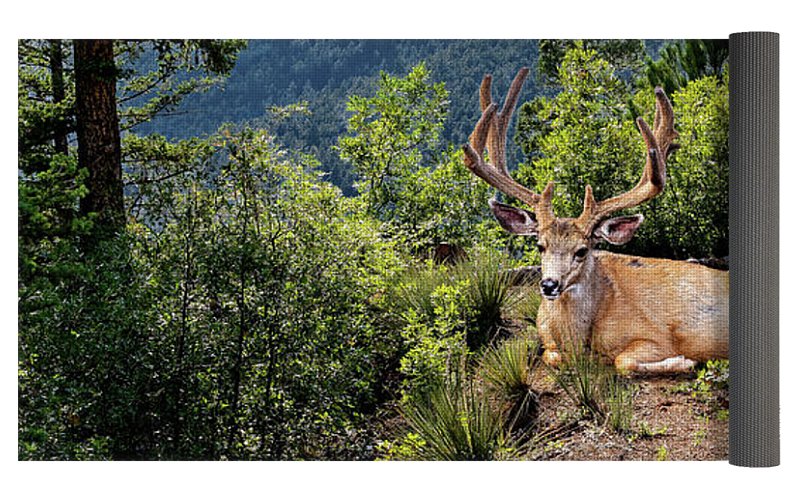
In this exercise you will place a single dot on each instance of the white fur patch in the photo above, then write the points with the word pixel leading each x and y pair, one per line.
pixel 676 364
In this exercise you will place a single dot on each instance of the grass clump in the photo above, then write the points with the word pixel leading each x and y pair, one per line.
pixel 454 421
pixel 489 292
pixel 506 369
pixel 482 411
pixel 455 408
pixel 597 389
pixel 413 293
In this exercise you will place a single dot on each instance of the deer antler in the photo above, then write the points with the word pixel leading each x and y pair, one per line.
pixel 491 132
pixel 659 144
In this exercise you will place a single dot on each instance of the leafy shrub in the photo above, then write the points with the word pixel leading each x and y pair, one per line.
pixel 447 311
pixel 715 375
pixel 88 362
pixel 290 347
pixel 710 386
pixel 407 448
pixel 238 318
pixel 433 348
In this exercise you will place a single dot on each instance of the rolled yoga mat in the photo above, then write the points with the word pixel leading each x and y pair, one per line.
pixel 754 236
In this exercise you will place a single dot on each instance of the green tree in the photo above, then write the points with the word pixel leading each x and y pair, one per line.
pixel 687 60
pixel 692 219
pixel 393 133
pixel 421 192
pixel 586 135
pixel 628 55
pixel 269 304
pixel 155 76
pixel 87 358
pixel 122 83
pixel 46 102
pixel 238 317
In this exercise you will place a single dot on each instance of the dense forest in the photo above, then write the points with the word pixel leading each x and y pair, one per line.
pixel 273 250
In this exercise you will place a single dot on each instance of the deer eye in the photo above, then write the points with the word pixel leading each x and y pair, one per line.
pixel 581 253
pixel 541 248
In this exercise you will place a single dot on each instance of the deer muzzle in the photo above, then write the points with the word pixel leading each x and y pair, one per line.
pixel 550 288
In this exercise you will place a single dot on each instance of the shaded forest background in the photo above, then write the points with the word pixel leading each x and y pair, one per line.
pixel 226 248
pixel 320 75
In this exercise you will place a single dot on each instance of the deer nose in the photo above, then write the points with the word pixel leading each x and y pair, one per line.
pixel 550 287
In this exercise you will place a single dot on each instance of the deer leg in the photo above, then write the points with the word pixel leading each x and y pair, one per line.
pixel 669 365
pixel 552 357
pixel 645 356
pixel 551 353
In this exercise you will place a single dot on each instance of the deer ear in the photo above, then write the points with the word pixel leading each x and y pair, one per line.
pixel 515 220
pixel 619 230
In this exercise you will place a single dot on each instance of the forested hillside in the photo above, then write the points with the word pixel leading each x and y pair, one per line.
pixel 192 285
pixel 322 74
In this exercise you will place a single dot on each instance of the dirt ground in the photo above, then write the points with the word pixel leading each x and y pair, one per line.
pixel 671 421
pixel 673 417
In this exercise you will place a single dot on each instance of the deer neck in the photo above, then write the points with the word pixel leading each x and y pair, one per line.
pixel 576 309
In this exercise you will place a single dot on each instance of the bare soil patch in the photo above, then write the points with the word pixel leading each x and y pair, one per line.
pixel 671 421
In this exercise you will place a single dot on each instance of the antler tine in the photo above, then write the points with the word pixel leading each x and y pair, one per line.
pixel 664 124
pixel 658 144
pixel 491 132
pixel 512 99
pixel 479 135
pixel 497 133
pixel 485 92
pixel 492 176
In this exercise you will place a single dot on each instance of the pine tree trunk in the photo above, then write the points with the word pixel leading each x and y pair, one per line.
pixel 98 136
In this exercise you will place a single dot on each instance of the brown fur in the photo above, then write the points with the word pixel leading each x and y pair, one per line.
pixel 634 310
pixel 641 314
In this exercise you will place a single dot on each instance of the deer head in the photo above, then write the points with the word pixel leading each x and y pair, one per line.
pixel 565 243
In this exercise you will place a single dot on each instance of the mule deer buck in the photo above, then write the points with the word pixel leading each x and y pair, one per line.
pixel 642 314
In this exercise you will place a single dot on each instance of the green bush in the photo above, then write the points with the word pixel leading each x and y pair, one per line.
pixel 89 360
pixel 447 311
pixel 586 134
pixel 238 318
pixel 271 281
pixel 433 347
